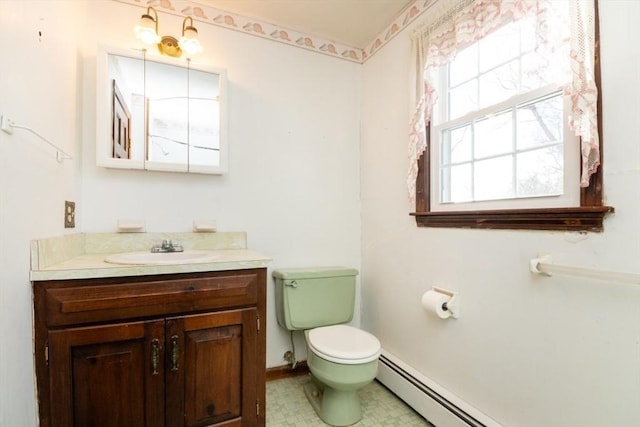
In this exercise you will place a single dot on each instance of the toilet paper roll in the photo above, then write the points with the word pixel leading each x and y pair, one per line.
pixel 433 301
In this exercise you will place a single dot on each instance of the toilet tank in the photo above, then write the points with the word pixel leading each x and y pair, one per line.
pixel 311 297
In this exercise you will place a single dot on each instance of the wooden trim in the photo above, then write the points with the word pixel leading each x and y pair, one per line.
pixel 285 371
pixel 565 219
pixel 592 195
pixel 423 189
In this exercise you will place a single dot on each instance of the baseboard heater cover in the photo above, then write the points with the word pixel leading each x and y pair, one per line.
pixel 430 400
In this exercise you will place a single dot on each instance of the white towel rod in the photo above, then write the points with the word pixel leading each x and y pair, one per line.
pixel 543 266
pixel 7 125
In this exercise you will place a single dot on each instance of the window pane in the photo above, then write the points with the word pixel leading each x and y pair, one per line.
pixel 463 99
pixel 464 66
pixel 499 47
pixel 500 84
pixel 456 146
pixel 493 136
pixel 540 123
pixel 540 172
pixel 492 179
pixel 528 35
pixel 534 73
pixel 456 184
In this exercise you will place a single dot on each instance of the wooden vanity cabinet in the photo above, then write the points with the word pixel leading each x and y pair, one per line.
pixel 172 350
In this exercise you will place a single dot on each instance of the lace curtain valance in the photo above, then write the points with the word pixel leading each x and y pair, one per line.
pixel 565 31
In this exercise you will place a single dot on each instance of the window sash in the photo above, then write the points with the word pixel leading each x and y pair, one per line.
pixel 568 197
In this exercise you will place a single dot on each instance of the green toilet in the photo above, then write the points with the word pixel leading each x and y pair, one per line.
pixel 342 358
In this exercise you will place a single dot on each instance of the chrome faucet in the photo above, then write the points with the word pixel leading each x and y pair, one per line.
pixel 167 246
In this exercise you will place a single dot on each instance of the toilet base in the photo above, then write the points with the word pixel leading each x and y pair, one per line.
pixel 334 407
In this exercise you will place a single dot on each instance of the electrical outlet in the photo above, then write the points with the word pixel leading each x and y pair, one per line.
pixel 69 214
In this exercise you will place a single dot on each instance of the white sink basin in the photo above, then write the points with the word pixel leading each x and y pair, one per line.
pixel 150 258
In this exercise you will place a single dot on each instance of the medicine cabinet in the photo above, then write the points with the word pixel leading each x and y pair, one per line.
pixel 159 114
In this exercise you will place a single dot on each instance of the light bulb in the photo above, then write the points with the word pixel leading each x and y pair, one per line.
pixel 190 46
pixel 146 30
pixel 189 42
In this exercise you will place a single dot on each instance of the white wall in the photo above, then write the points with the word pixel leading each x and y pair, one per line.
pixel 527 351
pixel 39 88
pixel 293 181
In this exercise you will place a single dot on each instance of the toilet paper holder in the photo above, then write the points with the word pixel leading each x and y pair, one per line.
pixel 453 304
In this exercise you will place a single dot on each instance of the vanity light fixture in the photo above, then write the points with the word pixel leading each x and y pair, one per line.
pixel 147 32
pixel 189 41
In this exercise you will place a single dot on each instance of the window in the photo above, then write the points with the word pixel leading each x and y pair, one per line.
pixel 500 152
pixel 501 134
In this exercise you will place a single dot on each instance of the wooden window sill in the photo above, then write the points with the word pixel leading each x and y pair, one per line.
pixel 587 218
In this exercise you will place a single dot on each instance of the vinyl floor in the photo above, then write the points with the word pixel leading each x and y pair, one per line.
pixel 287 406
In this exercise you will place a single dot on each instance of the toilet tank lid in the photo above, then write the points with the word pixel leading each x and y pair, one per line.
pixel 313 272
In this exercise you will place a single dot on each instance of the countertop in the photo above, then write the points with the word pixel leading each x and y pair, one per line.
pixel 82 256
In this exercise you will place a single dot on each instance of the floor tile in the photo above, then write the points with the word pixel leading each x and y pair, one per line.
pixel 287 406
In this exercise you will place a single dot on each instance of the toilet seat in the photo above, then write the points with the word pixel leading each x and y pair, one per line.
pixel 343 344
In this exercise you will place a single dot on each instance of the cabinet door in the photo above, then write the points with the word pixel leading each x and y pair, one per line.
pixel 211 369
pixel 105 376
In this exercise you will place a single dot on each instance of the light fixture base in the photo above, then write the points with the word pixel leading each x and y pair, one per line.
pixel 169 46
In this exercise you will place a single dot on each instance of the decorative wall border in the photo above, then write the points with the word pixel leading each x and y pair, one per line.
pixel 407 16
pixel 278 33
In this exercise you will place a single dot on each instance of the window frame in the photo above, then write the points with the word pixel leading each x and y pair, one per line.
pixel 589 216
pixel 570 152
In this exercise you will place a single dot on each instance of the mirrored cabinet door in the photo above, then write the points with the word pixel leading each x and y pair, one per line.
pixel 162 115
pixel 205 139
pixel 167 117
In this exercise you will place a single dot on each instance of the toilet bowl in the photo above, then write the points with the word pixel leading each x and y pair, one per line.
pixel 342 358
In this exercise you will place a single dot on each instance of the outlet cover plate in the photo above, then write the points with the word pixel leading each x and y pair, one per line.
pixel 69 214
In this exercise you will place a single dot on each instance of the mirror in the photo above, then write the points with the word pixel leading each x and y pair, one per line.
pixel 159 114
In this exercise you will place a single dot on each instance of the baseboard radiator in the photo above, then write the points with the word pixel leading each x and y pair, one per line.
pixel 429 399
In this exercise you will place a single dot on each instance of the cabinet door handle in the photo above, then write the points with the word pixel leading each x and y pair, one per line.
pixel 174 353
pixel 155 356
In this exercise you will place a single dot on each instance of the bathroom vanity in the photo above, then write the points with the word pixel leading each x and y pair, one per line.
pixel 149 345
